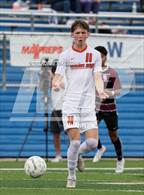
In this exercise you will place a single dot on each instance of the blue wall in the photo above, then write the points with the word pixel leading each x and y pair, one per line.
pixel 13 133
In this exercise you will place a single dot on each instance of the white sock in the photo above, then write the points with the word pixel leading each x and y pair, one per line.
pixel 88 145
pixel 72 158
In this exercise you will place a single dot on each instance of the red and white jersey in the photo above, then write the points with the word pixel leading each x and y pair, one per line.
pixel 79 68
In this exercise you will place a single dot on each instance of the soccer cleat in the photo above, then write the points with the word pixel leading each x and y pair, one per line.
pixel 120 166
pixel 80 164
pixel 99 154
pixel 71 183
pixel 56 159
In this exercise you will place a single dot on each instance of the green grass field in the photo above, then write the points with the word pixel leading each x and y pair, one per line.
pixel 98 179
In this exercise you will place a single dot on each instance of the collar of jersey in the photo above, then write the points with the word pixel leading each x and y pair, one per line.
pixel 105 69
pixel 79 50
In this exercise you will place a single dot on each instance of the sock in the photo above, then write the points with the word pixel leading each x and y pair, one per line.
pixel 72 158
pixel 99 144
pixel 88 145
pixel 118 148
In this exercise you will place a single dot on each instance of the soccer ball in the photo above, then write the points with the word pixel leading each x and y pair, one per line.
pixel 35 166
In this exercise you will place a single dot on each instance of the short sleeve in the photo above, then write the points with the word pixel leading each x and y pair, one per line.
pixel 61 65
pixel 98 63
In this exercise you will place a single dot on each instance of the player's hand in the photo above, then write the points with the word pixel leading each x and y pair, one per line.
pixel 110 92
pixel 103 95
pixel 55 87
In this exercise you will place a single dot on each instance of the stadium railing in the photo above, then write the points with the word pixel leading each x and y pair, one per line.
pixel 50 21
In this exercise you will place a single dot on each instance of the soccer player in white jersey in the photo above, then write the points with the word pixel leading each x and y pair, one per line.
pixel 81 66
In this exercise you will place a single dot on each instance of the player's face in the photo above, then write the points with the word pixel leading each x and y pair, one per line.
pixel 80 36
pixel 104 59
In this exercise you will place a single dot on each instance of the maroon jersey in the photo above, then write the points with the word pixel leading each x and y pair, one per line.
pixel 111 82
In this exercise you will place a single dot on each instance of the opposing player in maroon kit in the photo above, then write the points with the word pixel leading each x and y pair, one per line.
pixel 81 66
pixel 106 110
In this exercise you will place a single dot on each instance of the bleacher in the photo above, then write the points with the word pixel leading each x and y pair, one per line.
pixel 14 127
pixel 105 5
pixel 119 5
pixel 116 15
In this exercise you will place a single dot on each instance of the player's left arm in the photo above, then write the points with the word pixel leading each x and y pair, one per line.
pixel 62 84
pixel 99 84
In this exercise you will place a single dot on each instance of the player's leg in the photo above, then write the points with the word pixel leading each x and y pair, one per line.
pixel 100 148
pixel 90 129
pixel 57 145
pixel 91 141
pixel 99 117
pixel 72 156
pixel 118 149
pixel 112 125
pixel 71 126
pixel 56 126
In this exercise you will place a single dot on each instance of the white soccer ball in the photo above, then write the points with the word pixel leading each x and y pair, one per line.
pixel 35 166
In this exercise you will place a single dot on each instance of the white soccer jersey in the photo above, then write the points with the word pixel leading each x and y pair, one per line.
pixel 78 68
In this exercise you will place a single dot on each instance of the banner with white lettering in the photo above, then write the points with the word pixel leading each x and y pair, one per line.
pixel 123 51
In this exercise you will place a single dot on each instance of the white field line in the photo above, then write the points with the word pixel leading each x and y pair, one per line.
pixel 118 183
pixel 64 159
pixel 132 173
pixel 94 182
pixel 65 169
pixel 76 189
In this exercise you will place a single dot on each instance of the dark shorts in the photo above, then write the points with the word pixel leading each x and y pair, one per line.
pixel 56 122
pixel 110 119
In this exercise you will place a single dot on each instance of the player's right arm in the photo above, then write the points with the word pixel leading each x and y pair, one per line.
pixel 60 72
pixel 56 82
pixel 100 85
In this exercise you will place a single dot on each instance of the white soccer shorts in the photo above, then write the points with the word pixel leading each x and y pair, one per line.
pixel 82 119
